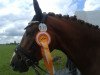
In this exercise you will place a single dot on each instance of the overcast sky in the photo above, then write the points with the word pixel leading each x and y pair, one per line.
pixel 15 14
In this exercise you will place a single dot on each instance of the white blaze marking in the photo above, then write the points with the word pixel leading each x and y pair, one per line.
pixel 12 56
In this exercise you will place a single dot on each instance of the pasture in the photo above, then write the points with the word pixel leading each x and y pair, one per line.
pixel 6 52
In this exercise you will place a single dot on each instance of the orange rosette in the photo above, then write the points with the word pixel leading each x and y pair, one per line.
pixel 43 40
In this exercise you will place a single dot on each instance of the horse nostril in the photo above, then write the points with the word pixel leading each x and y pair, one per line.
pixel 10 64
pixel 14 68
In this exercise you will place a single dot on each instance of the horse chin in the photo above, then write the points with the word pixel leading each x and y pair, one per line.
pixel 20 69
pixel 23 70
pixel 19 66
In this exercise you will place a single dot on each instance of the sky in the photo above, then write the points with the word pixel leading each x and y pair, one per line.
pixel 15 14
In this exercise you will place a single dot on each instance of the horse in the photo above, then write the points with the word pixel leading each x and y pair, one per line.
pixel 79 40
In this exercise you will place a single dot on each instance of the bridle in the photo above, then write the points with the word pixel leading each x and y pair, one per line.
pixel 22 52
pixel 25 56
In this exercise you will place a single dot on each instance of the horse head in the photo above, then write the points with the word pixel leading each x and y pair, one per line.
pixel 28 52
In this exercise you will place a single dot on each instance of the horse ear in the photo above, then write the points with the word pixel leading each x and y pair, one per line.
pixel 38 11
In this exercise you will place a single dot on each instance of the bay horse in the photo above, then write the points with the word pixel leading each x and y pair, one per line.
pixel 79 40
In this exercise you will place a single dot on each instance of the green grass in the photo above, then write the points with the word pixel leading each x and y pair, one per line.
pixel 6 52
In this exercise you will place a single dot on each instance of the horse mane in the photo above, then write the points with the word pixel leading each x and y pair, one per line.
pixel 73 18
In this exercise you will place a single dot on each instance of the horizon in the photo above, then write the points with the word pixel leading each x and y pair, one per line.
pixel 15 15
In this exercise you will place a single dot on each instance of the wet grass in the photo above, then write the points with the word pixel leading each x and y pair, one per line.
pixel 6 52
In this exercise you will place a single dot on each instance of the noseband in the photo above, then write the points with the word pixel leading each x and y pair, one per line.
pixel 25 56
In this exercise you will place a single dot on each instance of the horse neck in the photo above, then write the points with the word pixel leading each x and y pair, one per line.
pixel 73 39
pixel 64 31
pixel 58 28
pixel 64 34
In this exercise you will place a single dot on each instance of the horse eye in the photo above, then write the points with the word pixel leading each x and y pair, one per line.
pixel 29 33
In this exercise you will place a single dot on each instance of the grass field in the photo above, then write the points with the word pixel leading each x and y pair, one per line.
pixel 6 52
